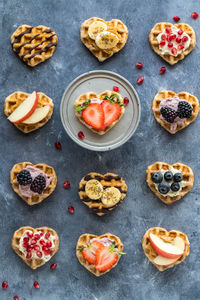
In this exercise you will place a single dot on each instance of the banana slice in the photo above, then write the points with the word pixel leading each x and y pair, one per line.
pixel 110 197
pixel 95 28
pixel 94 189
pixel 106 40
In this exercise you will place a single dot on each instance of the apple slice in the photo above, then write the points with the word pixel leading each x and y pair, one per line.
pixel 24 110
pixel 168 250
pixel 38 115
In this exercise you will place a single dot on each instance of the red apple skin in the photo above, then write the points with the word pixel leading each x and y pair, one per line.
pixel 162 252
pixel 30 112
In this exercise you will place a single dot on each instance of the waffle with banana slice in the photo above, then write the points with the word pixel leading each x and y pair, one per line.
pixel 166 236
pixel 102 193
pixel 103 38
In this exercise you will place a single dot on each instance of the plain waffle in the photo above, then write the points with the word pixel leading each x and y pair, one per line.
pixel 166 236
pixel 16 98
pixel 188 179
pixel 107 180
pixel 160 27
pixel 91 95
pixel 85 239
pixel 35 199
pixel 115 26
pixel 34 44
pixel 162 95
pixel 33 263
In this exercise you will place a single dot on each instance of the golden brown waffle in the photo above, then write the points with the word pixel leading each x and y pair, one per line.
pixel 166 236
pixel 16 98
pixel 33 263
pixel 91 95
pixel 34 44
pixel 115 26
pixel 107 180
pixel 169 94
pixel 84 240
pixel 160 27
pixel 35 199
pixel 188 178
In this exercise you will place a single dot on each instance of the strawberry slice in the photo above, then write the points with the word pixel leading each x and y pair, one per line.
pixel 89 252
pixel 105 259
pixel 111 112
pixel 93 115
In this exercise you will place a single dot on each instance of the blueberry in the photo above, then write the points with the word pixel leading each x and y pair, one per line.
pixel 175 187
pixel 163 187
pixel 157 177
pixel 178 177
pixel 168 176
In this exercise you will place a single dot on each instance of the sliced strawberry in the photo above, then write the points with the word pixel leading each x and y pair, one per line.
pixel 93 115
pixel 89 253
pixel 106 258
pixel 111 112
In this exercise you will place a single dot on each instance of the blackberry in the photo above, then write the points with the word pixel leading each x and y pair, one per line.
pixel 184 110
pixel 24 177
pixel 168 114
pixel 38 184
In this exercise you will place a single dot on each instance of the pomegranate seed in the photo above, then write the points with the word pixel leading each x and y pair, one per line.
pixel 139 65
pixel 36 285
pixel 180 47
pixel 25 245
pixel 116 89
pixel 178 40
pixel 36 236
pixel 53 266
pixel 170 45
pixel 4 285
pixel 39 253
pixel 42 242
pixel 44 248
pixel 163 37
pixel 126 101
pixel 47 252
pixel 81 135
pixel 29 249
pixel 47 235
pixel 36 248
pixel 180 32
pixel 176 18
pixel 140 80
pixel 168 30
pixel 172 37
pixel 66 184
pixel 162 43
pixel 41 234
pixel 30 234
pixel 33 242
pixel 26 239
pixel 48 244
pixel 194 15
pixel 71 209
pixel 58 145
pixel 174 51
pixel 16 298
pixel 28 255
pixel 162 70
pixel 184 39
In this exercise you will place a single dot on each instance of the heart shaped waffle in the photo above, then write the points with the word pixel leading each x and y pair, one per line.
pixel 115 26
pixel 34 262
pixel 91 95
pixel 160 27
pixel 16 98
pixel 188 179
pixel 84 240
pixel 162 95
pixel 166 236
pixel 107 180
pixel 34 45
pixel 34 199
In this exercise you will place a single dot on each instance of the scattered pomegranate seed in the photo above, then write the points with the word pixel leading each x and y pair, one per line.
pixel 180 47
pixel 48 244
pixel 28 255
pixel 58 145
pixel 184 39
pixel 39 253
pixel 170 45
pixel 4 285
pixel 126 101
pixel 81 135
pixel 168 30
pixel 139 65
pixel 116 89
pixel 42 233
pixel 162 70
pixel 172 37
pixel 180 32
pixel 71 209
pixel 162 43
pixel 140 80
pixel 163 37
pixel 36 285
pixel 53 266
pixel 66 184
pixel 176 18
pixel 174 51
pixel 16 298
pixel 47 235
pixel 178 40
pixel 194 15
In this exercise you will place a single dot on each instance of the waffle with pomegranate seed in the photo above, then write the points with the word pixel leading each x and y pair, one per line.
pixel 35 199
pixel 115 26
pixel 34 45
pixel 162 95
pixel 33 263
pixel 160 27
pixel 188 180
pixel 16 98
pixel 85 239
pixel 107 180
pixel 166 236
pixel 91 95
